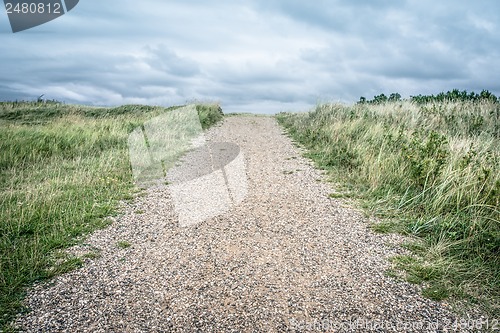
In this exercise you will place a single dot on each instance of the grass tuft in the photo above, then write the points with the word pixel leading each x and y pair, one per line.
pixel 123 244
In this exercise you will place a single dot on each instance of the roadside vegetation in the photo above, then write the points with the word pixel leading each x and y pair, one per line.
pixel 63 170
pixel 427 167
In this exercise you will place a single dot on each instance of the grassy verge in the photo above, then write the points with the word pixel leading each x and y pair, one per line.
pixel 429 171
pixel 63 169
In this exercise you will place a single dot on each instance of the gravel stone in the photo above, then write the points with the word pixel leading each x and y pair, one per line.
pixel 285 258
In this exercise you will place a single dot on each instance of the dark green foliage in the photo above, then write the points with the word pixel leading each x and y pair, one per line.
pixel 210 114
pixel 425 154
pixel 454 95
pixel 394 97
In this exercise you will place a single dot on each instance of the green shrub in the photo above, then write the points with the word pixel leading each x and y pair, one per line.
pixel 210 114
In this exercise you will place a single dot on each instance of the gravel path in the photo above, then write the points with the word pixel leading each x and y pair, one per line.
pixel 285 259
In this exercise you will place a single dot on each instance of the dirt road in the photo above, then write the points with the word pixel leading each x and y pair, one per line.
pixel 285 258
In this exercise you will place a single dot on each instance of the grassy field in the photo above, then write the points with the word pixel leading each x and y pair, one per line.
pixel 428 170
pixel 63 169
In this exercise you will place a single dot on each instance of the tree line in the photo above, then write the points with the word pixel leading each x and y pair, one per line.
pixel 454 95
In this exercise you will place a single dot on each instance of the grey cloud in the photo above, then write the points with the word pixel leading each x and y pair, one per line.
pixel 272 54
pixel 162 58
pixel 346 18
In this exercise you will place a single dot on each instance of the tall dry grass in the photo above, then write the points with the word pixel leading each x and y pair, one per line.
pixel 430 171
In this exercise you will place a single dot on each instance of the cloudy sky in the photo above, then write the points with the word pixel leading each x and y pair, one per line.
pixel 261 56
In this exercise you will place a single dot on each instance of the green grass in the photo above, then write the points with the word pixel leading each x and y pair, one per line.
pixel 63 169
pixel 123 244
pixel 429 171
